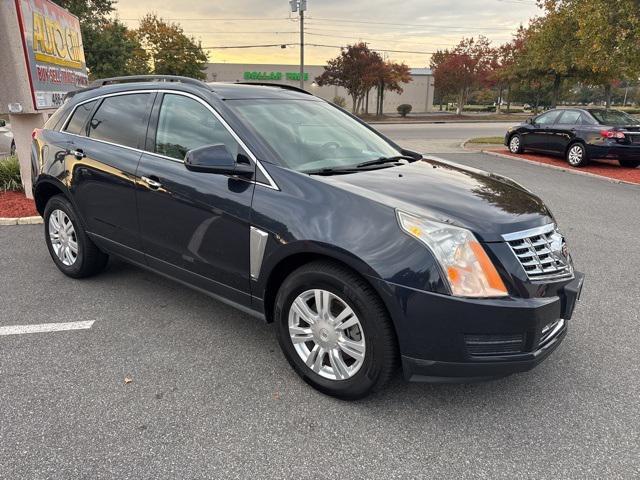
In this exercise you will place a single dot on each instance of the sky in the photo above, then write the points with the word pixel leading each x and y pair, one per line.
pixel 416 27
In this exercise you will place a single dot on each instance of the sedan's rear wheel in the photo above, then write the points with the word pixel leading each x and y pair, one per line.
pixel 577 155
pixel 515 144
pixel 335 331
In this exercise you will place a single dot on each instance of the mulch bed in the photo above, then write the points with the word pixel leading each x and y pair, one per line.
pixel 15 204
pixel 603 168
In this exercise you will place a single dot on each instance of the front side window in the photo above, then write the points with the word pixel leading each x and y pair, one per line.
pixel 78 121
pixel 548 118
pixel 308 135
pixel 185 124
pixel 121 119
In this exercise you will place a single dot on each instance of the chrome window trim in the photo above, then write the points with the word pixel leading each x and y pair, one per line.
pixel 272 184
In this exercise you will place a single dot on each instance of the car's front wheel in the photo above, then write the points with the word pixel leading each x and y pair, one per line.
pixel 577 155
pixel 71 249
pixel 515 144
pixel 335 331
pixel 629 163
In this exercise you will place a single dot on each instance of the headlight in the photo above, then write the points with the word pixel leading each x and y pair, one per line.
pixel 468 269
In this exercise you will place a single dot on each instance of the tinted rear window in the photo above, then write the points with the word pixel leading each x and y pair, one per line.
pixel 121 120
pixel 570 117
pixel 613 117
pixel 79 118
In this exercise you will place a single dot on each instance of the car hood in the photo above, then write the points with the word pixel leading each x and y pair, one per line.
pixel 487 204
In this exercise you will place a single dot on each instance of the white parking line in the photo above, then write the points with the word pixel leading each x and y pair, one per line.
pixel 45 327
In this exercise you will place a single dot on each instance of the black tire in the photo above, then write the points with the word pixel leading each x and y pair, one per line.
pixel 89 260
pixel 381 352
pixel 515 144
pixel 577 155
pixel 629 163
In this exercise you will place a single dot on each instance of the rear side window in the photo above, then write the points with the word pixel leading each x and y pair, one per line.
pixel 78 120
pixel 121 119
pixel 185 124
pixel 570 117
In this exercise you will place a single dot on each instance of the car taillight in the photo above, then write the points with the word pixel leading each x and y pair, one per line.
pixel 611 134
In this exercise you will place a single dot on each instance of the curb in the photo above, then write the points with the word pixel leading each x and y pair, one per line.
pixel 562 169
pixel 21 221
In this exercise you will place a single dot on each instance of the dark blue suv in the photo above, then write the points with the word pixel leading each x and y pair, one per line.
pixel 365 255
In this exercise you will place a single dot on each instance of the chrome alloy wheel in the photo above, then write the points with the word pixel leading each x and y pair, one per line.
pixel 64 240
pixel 326 334
pixel 514 144
pixel 575 155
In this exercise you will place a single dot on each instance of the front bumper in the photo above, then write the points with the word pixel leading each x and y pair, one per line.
pixel 449 339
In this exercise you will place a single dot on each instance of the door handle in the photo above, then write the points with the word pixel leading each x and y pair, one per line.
pixel 78 153
pixel 155 184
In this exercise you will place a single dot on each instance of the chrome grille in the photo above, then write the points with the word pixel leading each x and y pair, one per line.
pixel 540 252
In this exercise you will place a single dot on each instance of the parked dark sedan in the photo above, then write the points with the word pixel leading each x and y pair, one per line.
pixel 580 135
pixel 364 255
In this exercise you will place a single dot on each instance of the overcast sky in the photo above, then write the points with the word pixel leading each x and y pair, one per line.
pixel 409 25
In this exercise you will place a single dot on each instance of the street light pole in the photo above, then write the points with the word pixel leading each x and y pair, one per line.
pixel 302 43
pixel 300 6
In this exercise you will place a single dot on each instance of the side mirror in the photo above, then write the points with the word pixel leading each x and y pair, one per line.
pixel 2 123
pixel 216 159
pixel 529 121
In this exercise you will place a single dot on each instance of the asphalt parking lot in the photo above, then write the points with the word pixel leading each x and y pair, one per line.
pixel 211 396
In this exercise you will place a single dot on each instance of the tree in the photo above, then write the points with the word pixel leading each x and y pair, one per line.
pixel 390 76
pixel 505 71
pixel 115 51
pixel 463 68
pixel 553 47
pixel 170 51
pixel 608 39
pixel 355 69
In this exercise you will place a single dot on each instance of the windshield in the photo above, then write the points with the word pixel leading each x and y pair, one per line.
pixel 613 117
pixel 310 135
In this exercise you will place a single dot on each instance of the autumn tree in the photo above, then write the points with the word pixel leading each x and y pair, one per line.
pixel 505 70
pixel 389 77
pixel 607 39
pixel 171 52
pixel 355 69
pixel 115 50
pixel 463 68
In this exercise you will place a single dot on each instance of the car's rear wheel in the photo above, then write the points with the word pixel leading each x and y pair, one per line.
pixel 515 144
pixel 577 155
pixel 335 331
pixel 629 163
pixel 71 249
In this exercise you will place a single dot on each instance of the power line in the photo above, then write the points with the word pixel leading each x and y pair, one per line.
pixel 380 39
pixel 463 27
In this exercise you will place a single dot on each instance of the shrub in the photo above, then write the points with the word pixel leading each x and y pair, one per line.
pixel 10 174
pixel 404 109
pixel 340 101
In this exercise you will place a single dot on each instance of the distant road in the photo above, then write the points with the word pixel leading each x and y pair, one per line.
pixel 439 137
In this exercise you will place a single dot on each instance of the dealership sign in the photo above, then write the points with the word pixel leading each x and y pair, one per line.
pixel 274 76
pixel 53 51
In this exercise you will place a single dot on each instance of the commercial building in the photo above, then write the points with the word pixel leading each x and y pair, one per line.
pixel 418 93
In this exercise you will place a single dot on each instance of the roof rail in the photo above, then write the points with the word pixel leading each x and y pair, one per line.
pixel 148 78
pixel 284 86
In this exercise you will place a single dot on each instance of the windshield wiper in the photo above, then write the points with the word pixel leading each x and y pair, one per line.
pixel 330 171
pixel 383 160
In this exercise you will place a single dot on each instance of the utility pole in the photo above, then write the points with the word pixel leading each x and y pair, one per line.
pixel 300 6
